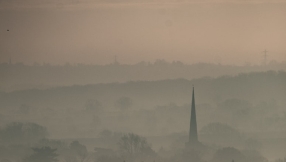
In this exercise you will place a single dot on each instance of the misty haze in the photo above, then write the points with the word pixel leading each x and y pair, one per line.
pixel 142 81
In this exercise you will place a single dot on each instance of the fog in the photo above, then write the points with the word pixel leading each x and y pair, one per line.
pixel 245 112
pixel 142 81
pixel 226 32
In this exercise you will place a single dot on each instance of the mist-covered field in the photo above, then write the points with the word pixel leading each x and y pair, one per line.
pixel 142 81
pixel 245 112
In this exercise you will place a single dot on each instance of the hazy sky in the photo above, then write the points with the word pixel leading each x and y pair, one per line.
pixel 81 31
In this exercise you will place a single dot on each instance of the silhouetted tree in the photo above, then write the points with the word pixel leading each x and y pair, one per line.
pixel 134 145
pixel 79 149
pixel 18 133
pixel 58 144
pixel 44 154
pixel 228 154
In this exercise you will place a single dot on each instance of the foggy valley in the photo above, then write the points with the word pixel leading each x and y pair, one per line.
pixel 19 76
pixel 245 112
pixel 142 81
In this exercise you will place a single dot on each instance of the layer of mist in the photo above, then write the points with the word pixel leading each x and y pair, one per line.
pixel 240 117
pixel 19 76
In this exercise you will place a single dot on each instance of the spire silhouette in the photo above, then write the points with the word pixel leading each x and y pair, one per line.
pixel 193 134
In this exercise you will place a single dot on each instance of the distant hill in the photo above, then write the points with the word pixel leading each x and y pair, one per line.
pixel 87 109
pixel 20 77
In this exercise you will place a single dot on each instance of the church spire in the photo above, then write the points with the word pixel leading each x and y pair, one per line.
pixel 193 134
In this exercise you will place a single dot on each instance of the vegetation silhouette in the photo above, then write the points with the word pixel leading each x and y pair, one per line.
pixel 44 154
pixel 79 150
pixel 133 146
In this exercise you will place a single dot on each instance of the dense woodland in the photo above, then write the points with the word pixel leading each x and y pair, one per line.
pixel 234 113
pixel 18 76
pixel 91 108
pixel 264 91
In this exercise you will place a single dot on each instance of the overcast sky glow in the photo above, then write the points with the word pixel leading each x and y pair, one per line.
pixel 78 31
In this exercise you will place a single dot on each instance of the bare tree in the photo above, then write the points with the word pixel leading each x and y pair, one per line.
pixel 79 150
pixel 22 133
pixel 44 154
pixel 134 145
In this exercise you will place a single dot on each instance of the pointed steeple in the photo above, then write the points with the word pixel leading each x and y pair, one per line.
pixel 193 134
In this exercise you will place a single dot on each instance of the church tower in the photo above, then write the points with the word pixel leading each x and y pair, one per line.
pixel 193 134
